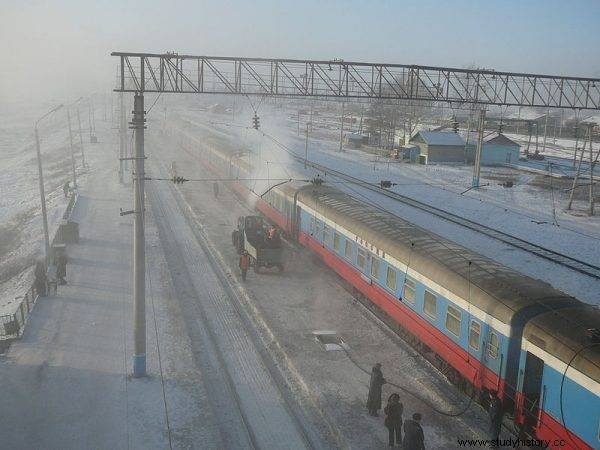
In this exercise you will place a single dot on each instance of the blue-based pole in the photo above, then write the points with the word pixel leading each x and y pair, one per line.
pixel 139 262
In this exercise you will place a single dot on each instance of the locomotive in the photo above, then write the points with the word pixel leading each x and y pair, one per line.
pixel 493 328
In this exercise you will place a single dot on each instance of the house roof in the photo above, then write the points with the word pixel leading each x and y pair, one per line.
pixel 441 138
pixel 494 138
pixel 501 139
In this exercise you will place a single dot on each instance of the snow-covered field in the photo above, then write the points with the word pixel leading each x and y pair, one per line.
pixel 530 210
pixel 21 232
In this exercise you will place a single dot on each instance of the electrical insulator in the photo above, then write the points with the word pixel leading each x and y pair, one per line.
pixel 317 181
pixel 455 125
pixel 255 122
pixel 179 180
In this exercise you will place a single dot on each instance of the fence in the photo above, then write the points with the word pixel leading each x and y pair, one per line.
pixel 13 325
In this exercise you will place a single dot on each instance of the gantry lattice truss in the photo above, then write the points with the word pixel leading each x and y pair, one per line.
pixel 173 73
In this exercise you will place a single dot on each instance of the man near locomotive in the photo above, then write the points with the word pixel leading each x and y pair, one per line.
pixel 375 385
pixel 244 264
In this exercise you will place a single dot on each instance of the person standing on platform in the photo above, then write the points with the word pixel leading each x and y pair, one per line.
pixel 375 386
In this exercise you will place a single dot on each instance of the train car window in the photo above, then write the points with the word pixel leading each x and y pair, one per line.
pixel 348 249
pixel 361 258
pixel 336 242
pixel 375 268
pixel 493 345
pixel 409 291
pixel 312 225
pixel 474 335
pixel 390 279
pixel 325 234
pixel 430 305
pixel 453 320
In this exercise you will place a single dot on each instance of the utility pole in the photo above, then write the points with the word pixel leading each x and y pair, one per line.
pixel 81 138
pixel 545 131
pixel 72 150
pixel 90 120
pixel 591 196
pixel 477 166
pixel 42 197
pixel 342 128
pixel 576 141
pixel 306 147
pixel 139 251
pixel 576 178
pixel 298 122
pixel 122 137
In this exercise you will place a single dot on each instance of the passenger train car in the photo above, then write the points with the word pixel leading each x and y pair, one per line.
pixel 493 327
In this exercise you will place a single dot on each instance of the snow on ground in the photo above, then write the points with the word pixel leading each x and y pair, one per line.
pixel 21 232
pixel 524 210
pixel 307 297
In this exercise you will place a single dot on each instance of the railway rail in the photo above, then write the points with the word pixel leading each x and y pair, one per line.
pixel 570 262
pixel 219 330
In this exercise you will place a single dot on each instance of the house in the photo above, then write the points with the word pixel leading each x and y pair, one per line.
pixel 439 147
pixel 497 150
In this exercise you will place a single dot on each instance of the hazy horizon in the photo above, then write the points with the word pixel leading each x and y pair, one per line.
pixel 61 50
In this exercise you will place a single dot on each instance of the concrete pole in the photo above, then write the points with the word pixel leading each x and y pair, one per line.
pixel 545 131
pixel 90 120
pixel 72 150
pixel 576 142
pixel 122 137
pixel 81 138
pixel 306 148
pixel 591 196
pixel 477 166
pixel 42 197
pixel 342 128
pixel 139 251
pixel 576 178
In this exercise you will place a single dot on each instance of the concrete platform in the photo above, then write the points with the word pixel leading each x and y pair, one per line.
pixel 65 384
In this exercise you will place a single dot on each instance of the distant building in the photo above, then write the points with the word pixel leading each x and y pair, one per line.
pixel 355 140
pixel 497 150
pixel 439 147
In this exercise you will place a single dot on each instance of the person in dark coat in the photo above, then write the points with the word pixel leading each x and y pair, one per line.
pixel 66 188
pixel 61 268
pixel 495 413
pixel 375 385
pixel 393 419
pixel 40 278
pixel 414 438
pixel 244 265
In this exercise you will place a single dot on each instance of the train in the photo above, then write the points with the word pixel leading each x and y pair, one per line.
pixel 490 327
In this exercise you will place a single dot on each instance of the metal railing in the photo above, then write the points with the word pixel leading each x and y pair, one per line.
pixel 12 325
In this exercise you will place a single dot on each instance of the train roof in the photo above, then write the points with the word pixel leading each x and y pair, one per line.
pixel 571 336
pixel 488 285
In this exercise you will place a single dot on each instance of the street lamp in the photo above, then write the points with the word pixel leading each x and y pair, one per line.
pixel 41 181
pixel 71 142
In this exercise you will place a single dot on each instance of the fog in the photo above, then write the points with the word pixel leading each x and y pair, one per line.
pixel 58 50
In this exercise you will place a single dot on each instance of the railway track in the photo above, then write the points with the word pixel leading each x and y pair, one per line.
pixel 250 399
pixel 578 265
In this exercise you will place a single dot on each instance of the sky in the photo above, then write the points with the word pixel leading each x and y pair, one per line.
pixel 60 49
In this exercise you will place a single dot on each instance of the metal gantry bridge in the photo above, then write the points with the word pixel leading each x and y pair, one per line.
pixel 174 73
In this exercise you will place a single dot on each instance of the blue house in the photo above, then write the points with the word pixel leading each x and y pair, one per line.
pixel 497 150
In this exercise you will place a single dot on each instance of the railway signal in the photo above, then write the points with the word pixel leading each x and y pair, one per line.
pixel 179 180
pixel 386 184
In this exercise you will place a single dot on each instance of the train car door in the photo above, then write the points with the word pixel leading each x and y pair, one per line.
pixel 532 387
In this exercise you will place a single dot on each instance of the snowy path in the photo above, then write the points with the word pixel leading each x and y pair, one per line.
pixel 307 297
pixel 246 398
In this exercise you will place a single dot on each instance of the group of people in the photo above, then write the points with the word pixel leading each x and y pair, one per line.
pixel 47 278
pixel 414 438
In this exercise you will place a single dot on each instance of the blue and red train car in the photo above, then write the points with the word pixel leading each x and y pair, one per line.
pixel 495 328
